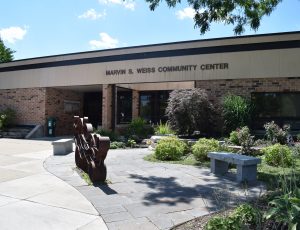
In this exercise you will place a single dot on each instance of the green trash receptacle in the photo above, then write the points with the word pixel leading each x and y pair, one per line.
pixel 51 124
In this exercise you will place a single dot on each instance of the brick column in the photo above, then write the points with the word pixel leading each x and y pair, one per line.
pixel 135 104
pixel 106 106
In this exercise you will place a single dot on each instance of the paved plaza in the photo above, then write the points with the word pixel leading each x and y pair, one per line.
pixel 42 191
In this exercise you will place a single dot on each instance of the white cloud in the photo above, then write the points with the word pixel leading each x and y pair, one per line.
pixel 128 4
pixel 105 42
pixel 12 34
pixel 186 13
pixel 92 14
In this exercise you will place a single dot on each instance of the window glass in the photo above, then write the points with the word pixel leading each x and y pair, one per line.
pixel 124 107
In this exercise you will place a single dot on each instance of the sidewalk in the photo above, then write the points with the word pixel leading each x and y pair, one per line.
pixel 32 198
pixel 145 195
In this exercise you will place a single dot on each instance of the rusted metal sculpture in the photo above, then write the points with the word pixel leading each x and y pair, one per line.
pixel 91 149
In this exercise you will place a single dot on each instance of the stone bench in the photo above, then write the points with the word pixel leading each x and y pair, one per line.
pixel 62 146
pixel 246 165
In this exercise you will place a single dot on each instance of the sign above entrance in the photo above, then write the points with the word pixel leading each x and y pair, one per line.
pixel 167 69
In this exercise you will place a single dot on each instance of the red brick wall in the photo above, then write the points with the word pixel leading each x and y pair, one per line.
pixel 217 89
pixel 55 99
pixel 29 104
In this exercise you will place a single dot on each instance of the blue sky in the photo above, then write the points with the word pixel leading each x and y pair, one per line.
pixel 35 28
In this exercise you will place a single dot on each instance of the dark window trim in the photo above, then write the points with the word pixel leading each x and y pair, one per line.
pixel 160 54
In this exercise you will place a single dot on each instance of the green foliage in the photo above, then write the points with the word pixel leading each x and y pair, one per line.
pixel 246 140
pixel 6 54
pixel 117 145
pixel 203 146
pixel 236 112
pixel 190 110
pixel 224 223
pixel 248 214
pixel 298 137
pixel 7 117
pixel 170 148
pixel 131 143
pixel 278 155
pixel 107 133
pixel 163 129
pixel 275 134
pixel 233 138
pixel 138 129
pixel 230 12
pixel 286 209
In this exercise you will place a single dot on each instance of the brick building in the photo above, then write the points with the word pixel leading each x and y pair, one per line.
pixel 113 86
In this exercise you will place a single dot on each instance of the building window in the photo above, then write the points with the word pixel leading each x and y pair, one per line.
pixel 153 106
pixel 71 107
pixel 283 108
pixel 124 107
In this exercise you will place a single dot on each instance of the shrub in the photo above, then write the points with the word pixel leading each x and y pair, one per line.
pixel 246 140
pixel 138 129
pixel 275 134
pixel 224 223
pixel 278 155
pixel 170 148
pixel 203 146
pixel 298 137
pixel 117 145
pixel 107 133
pixel 7 117
pixel 163 129
pixel 233 138
pixel 131 143
pixel 248 214
pixel 190 110
pixel 236 112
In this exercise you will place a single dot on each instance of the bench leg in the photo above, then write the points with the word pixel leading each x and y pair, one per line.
pixel 246 173
pixel 218 167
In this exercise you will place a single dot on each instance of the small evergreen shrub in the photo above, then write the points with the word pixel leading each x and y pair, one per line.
pixel 170 148
pixel 163 129
pixel 275 134
pixel 278 155
pixel 246 140
pixel 203 146
pixel 233 138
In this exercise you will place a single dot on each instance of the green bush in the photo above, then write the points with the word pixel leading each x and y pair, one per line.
pixel 7 117
pixel 203 146
pixel 278 155
pixel 131 143
pixel 246 140
pixel 163 129
pixel 236 112
pixel 224 223
pixel 233 138
pixel 248 214
pixel 275 134
pixel 138 129
pixel 170 148
pixel 107 133
pixel 117 145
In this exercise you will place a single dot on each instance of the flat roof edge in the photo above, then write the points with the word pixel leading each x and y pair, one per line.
pixel 158 44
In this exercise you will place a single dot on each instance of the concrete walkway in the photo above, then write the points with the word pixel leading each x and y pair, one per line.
pixel 33 198
pixel 145 195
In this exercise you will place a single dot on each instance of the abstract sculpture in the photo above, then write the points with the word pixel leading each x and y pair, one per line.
pixel 91 149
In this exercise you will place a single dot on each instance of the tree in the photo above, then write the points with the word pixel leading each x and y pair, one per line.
pixel 6 54
pixel 239 13
pixel 190 110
